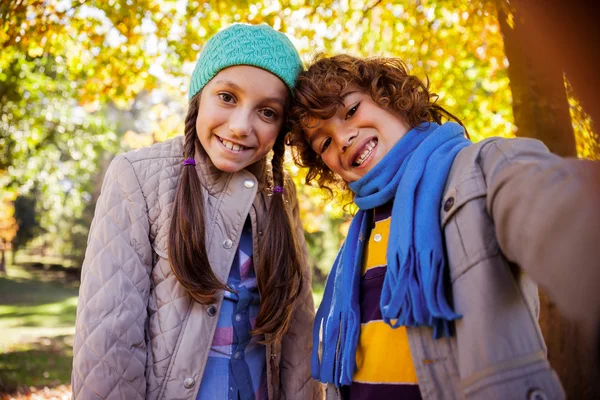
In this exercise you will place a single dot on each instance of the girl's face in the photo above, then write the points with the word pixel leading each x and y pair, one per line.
pixel 241 112
pixel 357 137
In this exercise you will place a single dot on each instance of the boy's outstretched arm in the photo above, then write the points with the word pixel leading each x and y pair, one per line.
pixel 546 210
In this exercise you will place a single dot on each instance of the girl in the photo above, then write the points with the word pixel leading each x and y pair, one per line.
pixel 195 284
pixel 444 230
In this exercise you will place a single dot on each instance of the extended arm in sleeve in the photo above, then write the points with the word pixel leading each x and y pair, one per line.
pixel 546 210
pixel 109 353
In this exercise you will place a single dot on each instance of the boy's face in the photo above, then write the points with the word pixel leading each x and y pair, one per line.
pixel 357 137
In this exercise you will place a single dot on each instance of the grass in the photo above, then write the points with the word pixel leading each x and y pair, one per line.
pixel 42 363
pixel 24 258
pixel 37 321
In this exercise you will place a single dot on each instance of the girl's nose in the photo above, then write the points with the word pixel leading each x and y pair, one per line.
pixel 240 123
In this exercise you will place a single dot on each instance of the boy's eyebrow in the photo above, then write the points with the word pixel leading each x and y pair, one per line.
pixel 347 94
pixel 312 138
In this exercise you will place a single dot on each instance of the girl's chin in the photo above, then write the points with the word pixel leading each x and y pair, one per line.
pixel 231 167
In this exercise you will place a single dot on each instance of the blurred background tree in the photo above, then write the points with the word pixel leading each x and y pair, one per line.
pixel 82 80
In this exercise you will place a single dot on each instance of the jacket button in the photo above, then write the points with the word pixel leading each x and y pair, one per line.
pixel 536 394
pixel 249 183
pixel 211 310
pixel 227 243
pixel 448 204
pixel 188 383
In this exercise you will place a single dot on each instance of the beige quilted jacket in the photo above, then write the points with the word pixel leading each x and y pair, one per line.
pixel 138 333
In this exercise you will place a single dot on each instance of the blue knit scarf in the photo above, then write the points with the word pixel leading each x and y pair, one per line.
pixel 413 174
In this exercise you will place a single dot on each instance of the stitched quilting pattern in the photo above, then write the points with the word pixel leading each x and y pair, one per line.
pixel 109 346
pixel 131 307
pixel 116 301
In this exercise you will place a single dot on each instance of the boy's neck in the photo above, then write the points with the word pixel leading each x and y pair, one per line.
pixel 381 212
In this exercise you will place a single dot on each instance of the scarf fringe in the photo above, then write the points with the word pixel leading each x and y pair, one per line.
pixel 417 297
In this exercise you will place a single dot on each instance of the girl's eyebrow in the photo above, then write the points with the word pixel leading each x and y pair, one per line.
pixel 230 84
pixel 234 86
pixel 277 100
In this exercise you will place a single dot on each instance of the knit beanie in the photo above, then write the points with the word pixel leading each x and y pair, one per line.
pixel 242 44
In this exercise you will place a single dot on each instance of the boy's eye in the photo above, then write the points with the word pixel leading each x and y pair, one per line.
pixel 268 113
pixel 226 97
pixel 325 144
pixel 352 111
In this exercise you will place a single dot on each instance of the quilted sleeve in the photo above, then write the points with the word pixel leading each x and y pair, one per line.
pixel 296 347
pixel 109 352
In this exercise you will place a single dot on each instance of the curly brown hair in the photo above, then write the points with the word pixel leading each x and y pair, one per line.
pixel 318 96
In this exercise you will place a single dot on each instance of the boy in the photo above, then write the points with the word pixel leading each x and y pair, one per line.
pixel 445 229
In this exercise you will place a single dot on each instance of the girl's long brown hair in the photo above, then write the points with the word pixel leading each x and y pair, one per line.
pixel 318 96
pixel 279 271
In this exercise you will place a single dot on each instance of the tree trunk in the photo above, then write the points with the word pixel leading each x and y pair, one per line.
pixel 540 105
pixel 567 33
pixel 3 258
pixel 541 111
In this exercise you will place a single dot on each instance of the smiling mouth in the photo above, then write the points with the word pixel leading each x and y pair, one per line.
pixel 366 152
pixel 232 146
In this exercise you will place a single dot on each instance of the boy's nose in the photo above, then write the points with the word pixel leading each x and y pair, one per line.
pixel 346 140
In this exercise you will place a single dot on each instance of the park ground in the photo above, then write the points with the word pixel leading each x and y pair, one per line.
pixel 37 323
pixel 38 302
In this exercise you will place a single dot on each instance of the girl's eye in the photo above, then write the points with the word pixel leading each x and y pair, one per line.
pixel 352 111
pixel 268 113
pixel 325 144
pixel 226 97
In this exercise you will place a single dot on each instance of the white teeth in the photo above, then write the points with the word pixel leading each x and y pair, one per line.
pixel 368 148
pixel 231 145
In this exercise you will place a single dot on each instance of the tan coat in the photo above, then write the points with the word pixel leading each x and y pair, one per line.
pixel 138 333
pixel 513 215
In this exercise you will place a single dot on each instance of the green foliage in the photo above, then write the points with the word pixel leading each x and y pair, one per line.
pixel 80 80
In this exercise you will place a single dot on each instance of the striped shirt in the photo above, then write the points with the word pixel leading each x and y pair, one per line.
pixel 384 366
pixel 236 365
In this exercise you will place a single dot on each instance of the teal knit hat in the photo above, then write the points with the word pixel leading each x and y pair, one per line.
pixel 242 44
